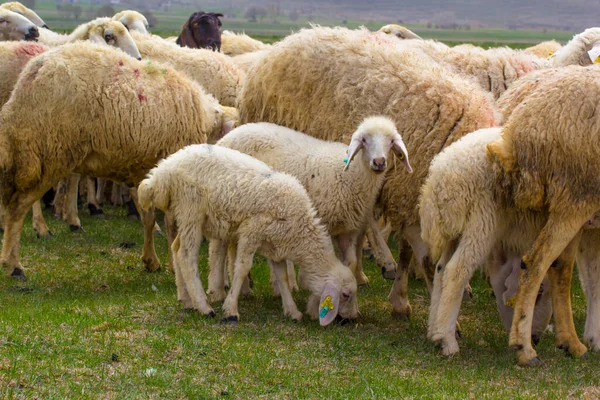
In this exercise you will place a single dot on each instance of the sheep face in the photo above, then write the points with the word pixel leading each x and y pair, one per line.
pixel 201 31
pixel 133 21
pixel 114 33
pixel 14 26
pixel 376 137
pixel 399 31
pixel 19 8
pixel 337 298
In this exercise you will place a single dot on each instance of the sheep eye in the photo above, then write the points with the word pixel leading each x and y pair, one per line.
pixel 346 296
pixel 2 20
pixel 364 140
pixel 401 156
pixel 108 37
pixel 195 24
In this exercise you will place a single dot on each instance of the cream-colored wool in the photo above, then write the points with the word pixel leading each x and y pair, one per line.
pixel 235 44
pixel 576 51
pixel 28 13
pixel 544 49
pixel 91 103
pixel 133 21
pixel 13 57
pixel 344 199
pixel 399 31
pixel 99 31
pixel 546 161
pixel 216 72
pixel 464 224
pixel 14 26
pixel 325 81
pixel 245 61
pixel 222 194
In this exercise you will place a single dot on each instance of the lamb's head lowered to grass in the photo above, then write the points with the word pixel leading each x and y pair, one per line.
pixel 14 26
pixel 376 136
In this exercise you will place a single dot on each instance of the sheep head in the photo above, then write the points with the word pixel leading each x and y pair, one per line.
pixel 201 31
pixel 376 137
pixel 19 8
pixel 14 26
pixel 133 21
pixel 399 31
pixel 112 33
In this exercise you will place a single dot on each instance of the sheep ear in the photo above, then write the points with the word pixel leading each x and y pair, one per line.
pixel 329 304
pixel 355 146
pixel 594 53
pixel 186 37
pixel 95 37
pixel 400 151
pixel 230 119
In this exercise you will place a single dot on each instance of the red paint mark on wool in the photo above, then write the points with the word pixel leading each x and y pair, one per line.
pixel 120 63
pixel 136 73
pixel 30 49
pixel 141 96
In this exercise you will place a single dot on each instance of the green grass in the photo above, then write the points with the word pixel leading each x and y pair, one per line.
pixel 91 323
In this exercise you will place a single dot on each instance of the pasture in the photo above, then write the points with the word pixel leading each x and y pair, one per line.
pixel 91 323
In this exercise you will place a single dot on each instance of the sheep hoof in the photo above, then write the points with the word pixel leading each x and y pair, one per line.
pixel 75 228
pixel 18 274
pixel 535 339
pixel 402 316
pixel 45 235
pixel 231 320
pixel 95 211
pixel 387 274
pixel 457 334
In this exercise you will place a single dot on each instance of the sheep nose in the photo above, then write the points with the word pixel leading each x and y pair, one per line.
pixel 139 58
pixel 378 164
pixel 32 33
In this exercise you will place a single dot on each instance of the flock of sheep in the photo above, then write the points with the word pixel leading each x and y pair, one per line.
pixel 471 156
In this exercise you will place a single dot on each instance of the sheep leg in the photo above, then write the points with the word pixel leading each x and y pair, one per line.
pixel 560 275
pixel 92 203
pixel 69 213
pixel 116 197
pixel 217 262
pixel 588 262
pixel 59 198
pixel 358 256
pixel 383 256
pixel 186 256
pixel 399 294
pixel 347 244
pixel 100 198
pixel 231 256
pixel 243 262
pixel 171 233
pixel 291 275
pixel 149 257
pixel 39 224
pixel 556 235
pixel 289 306
pixel 182 294
pixel 15 216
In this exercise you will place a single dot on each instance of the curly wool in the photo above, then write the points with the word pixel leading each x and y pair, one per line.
pixel 13 58
pixel 235 44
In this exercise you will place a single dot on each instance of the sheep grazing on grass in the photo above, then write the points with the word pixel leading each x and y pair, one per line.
pixel 133 21
pixel 464 223
pixel 14 26
pixel 216 72
pixel 343 197
pixel 100 31
pixel 19 8
pixel 100 113
pixel 544 49
pixel 221 194
pixel 201 31
pixel 233 44
pixel 546 160
pixel 325 81
pixel 399 31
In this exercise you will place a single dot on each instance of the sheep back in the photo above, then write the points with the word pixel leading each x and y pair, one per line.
pixel 13 57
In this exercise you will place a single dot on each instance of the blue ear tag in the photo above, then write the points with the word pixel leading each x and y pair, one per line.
pixel 325 307
pixel 346 160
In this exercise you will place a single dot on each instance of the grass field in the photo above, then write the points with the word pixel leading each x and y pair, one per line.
pixel 90 323
pixel 272 27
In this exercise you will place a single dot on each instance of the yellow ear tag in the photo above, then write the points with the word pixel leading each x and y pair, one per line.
pixel 326 306
pixel 597 60
pixel 511 302
pixel 550 54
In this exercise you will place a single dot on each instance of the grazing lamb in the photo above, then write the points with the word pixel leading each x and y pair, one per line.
pixel 86 97
pixel 216 72
pixel 99 30
pixel 233 44
pixel 133 21
pixel 14 26
pixel 343 197
pixel 544 49
pixel 465 223
pixel 201 31
pixel 222 194
pixel 19 8
pixel 547 160
pixel 399 31
pixel 325 81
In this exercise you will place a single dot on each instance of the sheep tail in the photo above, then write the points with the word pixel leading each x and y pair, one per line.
pixel 152 192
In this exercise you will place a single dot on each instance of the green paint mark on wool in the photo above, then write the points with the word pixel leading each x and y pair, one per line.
pixel 153 69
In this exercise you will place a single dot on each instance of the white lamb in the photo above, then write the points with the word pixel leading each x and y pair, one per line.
pixel 222 194
pixel 344 197
pixel 14 26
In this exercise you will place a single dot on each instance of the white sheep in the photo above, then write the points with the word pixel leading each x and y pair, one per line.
pixel 577 51
pixel 14 26
pixel 399 31
pixel 19 8
pixel 233 44
pixel 133 21
pixel 92 102
pixel 464 223
pixel 222 194
pixel 343 197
